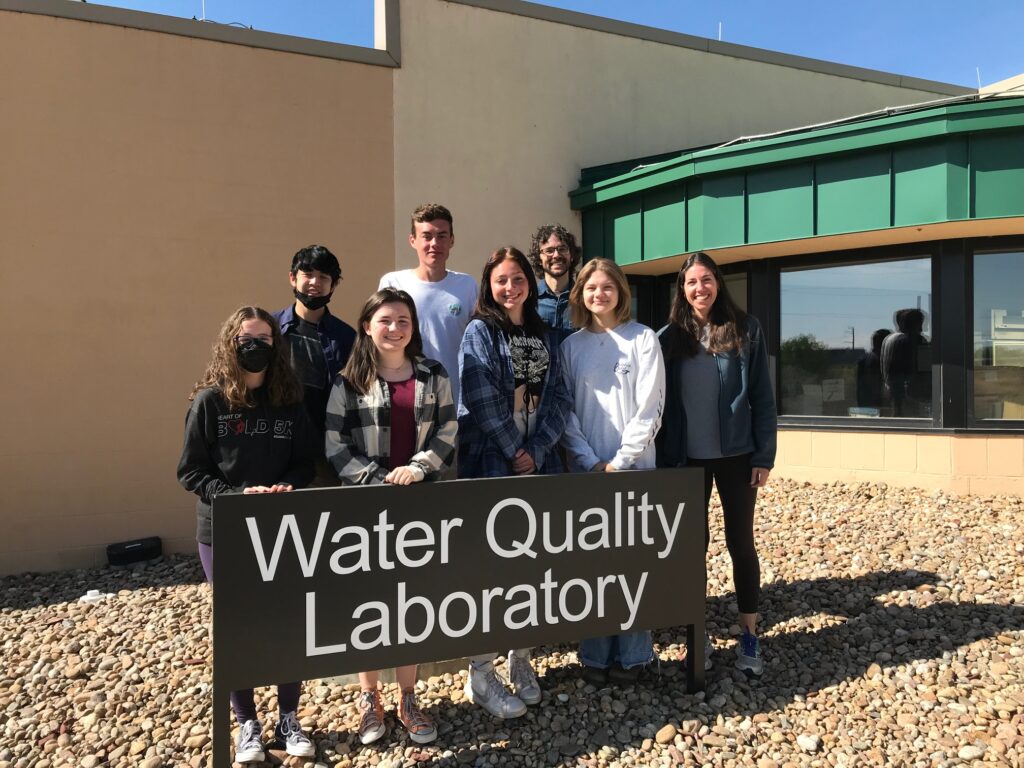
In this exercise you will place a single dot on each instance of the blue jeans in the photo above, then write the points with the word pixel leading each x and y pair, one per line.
pixel 630 649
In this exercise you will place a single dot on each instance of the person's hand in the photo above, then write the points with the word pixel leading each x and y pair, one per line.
pixel 257 489
pixel 522 463
pixel 599 467
pixel 281 488
pixel 401 476
pixel 759 477
pixel 610 468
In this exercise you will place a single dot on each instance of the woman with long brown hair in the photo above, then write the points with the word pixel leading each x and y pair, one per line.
pixel 512 413
pixel 720 415
pixel 247 431
pixel 390 419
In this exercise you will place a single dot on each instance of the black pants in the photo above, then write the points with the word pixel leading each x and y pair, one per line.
pixel 732 477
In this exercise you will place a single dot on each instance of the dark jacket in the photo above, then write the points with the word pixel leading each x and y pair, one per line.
pixel 227 451
pixel 746 404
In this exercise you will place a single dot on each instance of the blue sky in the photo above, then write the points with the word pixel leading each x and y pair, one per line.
pixel 944 40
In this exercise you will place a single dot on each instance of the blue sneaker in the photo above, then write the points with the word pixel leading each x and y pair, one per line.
pixel 748 655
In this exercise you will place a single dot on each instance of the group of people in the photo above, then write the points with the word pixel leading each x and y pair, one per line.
pixel 534 370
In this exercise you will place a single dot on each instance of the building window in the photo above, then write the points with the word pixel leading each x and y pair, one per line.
pixel 855 340
pixel 998 336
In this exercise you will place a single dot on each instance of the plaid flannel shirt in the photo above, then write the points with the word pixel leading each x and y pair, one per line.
pixel 358 435
pixel 488 438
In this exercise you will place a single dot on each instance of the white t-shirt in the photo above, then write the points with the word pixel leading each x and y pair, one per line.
pixel 444 309
pixel 617 380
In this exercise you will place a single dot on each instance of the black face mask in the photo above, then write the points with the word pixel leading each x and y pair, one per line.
pixel 254 355
pixel 312 302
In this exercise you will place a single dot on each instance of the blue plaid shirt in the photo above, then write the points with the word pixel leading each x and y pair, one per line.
pixel 488 438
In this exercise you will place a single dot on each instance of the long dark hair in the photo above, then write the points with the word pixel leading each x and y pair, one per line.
pixel 226 375
pixel 361 368
pixel 492 313
pixel 725 320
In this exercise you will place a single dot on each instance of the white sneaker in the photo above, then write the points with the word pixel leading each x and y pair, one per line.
pixel 484 688
pixel 249 748
pixel 523 678
pixel 290 733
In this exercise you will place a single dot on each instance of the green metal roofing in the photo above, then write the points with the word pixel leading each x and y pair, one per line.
pixel 913 166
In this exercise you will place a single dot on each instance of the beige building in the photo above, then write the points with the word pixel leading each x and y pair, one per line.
pixel 160 172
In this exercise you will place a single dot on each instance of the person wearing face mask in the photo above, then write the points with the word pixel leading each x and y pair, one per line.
pixel 247 431
pixel 319 343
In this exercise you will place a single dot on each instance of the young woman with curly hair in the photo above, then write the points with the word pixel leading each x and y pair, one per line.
pixel 247 431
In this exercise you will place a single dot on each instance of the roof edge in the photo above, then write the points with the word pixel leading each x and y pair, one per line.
pixel 735 50
pixel 386 10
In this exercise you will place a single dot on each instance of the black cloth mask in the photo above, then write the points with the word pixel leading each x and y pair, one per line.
pixel 254 355
pixel 313 302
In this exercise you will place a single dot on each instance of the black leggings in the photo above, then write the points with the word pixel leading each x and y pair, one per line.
pixel 243 702
pixel 732 477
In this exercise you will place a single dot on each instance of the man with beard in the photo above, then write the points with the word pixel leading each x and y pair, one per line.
pixel 554 256
pixel 319 342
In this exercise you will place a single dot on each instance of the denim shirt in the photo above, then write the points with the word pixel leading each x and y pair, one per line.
pixel 553 309
pixel 746 404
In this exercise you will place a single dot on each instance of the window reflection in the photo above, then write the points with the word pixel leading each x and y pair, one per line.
pixel 856 340
pixel 999 336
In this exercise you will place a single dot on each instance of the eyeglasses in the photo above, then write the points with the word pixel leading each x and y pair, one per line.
pixel 264 337
pixel 552 250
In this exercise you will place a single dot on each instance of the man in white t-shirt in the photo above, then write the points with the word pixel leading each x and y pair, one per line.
pixel 444 299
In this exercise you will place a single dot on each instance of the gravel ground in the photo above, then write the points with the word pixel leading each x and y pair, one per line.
pixel 892 628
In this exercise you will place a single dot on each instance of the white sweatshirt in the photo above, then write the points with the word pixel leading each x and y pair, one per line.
pixel 617 380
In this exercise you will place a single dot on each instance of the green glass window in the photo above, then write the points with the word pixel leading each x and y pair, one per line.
pixel 999 335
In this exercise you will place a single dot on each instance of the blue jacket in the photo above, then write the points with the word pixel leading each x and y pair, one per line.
pixel 336 337
pixel 488 438
pixel 746 404
pixel 553 309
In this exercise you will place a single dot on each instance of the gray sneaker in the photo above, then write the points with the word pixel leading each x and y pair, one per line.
pixel 289 733
pixel 523 679
pixel 485 688
pixel 249 748
pixel 748 655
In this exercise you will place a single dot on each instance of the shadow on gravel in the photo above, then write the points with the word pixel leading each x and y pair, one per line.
pixel 861 631
pixel 30 590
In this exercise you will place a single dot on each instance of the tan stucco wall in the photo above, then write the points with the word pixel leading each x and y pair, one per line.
pixel 150 184
pixel 978 464
pixel 497 113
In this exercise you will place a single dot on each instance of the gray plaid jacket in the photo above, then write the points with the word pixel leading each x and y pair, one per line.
pixel 358 434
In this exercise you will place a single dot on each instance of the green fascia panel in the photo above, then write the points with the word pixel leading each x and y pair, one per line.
pixel 922 176
pixel 664 222
pixel 997 174
pixel 885 131
pixel 854 193
pixel 716 213
pixel 780 203
pixel 623 228
pixel 593 233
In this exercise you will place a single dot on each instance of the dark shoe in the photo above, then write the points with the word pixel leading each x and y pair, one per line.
pixel 748 655
pixel 621 676
pixel 594 675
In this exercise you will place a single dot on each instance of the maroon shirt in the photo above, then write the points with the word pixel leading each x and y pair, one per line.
pixel 403 421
